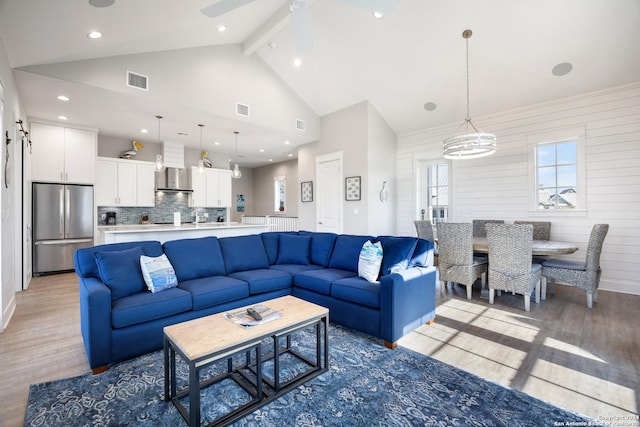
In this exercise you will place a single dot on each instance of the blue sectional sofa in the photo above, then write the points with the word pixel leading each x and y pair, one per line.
pixel 121 318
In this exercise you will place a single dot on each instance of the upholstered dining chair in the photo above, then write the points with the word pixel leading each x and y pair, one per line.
pixel 424 228
pixel 456 262
pixel 541 229
pixel 478 226
pixel 510 267
pixel 584 275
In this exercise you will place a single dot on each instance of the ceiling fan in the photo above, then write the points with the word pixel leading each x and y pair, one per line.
pixel 300 14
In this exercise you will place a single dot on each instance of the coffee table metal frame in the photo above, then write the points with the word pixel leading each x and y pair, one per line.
pixel 249 375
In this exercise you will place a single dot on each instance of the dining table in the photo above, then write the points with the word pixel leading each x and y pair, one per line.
pixel 538 247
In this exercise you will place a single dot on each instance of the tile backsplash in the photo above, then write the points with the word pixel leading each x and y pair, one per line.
pixel 166 204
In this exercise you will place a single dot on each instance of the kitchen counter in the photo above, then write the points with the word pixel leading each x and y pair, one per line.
pixel 166 232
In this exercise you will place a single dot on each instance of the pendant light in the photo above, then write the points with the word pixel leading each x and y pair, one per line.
pixel 235 173
pixel 159 163
pixel 201 161
pixel 469 145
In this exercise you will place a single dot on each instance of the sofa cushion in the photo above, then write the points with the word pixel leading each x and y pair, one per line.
pixel 242 253
pixel 346 252
pixel 294 269
pixel 320 280
pixel 145 306
pixel 85 261
pixel 214 290
pixel 264 280
pixel 293 249
pixel 358 290
pixel 120 271
pixel 321 246
pixel 195 258
pixel 158 273
pixel 270 241
pixel 423 253
pixel 370 261
pixel 397 253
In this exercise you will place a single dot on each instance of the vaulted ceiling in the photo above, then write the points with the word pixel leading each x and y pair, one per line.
pixel 412 56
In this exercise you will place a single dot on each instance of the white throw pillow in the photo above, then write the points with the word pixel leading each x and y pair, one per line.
pixel 158 273
pixel 370 260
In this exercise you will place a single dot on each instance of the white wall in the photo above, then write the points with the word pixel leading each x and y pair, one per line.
pixel 368 145
pixel 497 186
pixel 10 196
pixel 263 188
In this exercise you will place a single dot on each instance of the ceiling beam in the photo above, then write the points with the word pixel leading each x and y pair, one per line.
pixel 280 19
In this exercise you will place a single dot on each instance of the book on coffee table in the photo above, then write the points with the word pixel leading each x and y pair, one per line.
pixel 244 319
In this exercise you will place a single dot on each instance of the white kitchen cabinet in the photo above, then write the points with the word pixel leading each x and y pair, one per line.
pixel 124 183
pixel 146 180
pixel 211 188
pixel 60 154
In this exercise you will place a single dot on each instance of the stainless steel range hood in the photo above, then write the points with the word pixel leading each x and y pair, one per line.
pixel 173 179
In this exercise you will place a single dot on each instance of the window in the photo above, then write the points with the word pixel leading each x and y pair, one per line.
pixel 279 193
pixel 556 171
pixel 435 192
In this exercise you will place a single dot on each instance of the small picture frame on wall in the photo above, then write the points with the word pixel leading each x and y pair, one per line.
pixel 352 188
pixel 306 191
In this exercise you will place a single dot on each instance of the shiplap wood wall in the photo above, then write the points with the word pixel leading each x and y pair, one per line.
pixel 498 186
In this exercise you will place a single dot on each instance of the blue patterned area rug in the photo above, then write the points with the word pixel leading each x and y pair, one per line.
pixel 366 385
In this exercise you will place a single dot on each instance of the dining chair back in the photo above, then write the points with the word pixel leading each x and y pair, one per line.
pixel 584 275
pixel 510 267
pixel 541 229
pixel 478 226
pixel 424 229
pixel 456 262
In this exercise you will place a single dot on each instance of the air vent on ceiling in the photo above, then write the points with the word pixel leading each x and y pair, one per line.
pixel 137 80
pixel 301 125
pixel 242 109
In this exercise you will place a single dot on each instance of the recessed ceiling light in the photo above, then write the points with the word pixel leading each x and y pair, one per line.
pixel 430 106
pixel 101 3
pixel 289 155
pixel 272 45
pixel 62 118
pixel 378 15
pixel 63 98
pixel 94 35
pixel 297 62
pixel 562 69
pixel 144 131
pixel 271 160
pixel 216 143
pixel 262 150
pixel 222 28
pixel 287 143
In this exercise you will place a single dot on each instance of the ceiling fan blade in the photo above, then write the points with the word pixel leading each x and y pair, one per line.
pixel 301 25
pixel 383 6
pixel 222 7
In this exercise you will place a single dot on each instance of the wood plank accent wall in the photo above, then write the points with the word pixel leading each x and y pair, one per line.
pixel 498 186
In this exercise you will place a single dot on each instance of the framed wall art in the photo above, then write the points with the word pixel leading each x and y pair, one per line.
pixel 306 191
pixel 352 188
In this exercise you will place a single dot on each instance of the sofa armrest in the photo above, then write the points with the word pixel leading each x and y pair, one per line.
pixel 407 300
pixel 95 320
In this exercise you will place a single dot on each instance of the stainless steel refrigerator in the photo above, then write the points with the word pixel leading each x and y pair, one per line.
pixel 62 223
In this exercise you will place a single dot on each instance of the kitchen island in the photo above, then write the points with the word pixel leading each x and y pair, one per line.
pixel 166 232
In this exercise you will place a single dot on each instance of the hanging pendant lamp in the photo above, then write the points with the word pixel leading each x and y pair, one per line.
pixel 159 163
pixel 470 144
pixel 201 161
pixel 235 173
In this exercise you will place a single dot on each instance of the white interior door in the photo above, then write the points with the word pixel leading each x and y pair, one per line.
pixel 329 192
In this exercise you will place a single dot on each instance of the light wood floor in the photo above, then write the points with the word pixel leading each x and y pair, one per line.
pixel 562 352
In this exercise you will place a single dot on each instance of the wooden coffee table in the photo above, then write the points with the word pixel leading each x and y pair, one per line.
pixel 204 341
